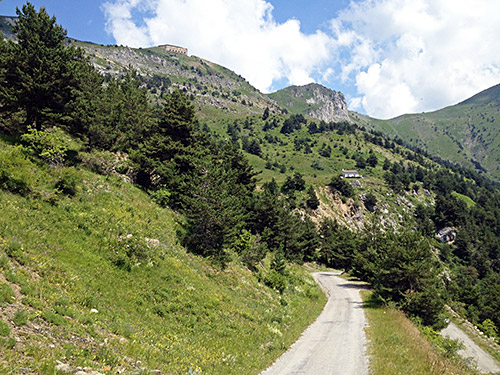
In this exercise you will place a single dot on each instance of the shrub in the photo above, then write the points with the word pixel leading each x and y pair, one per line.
pixel 489 328
pixel 275 280
pixel 4 329
pixel 7 294
pixel 338 184
pixel 67 182
pixel 50 145
pixel 16 171
pixel 16 251
pixel 161 197
pixel 53 318
pixel 21 318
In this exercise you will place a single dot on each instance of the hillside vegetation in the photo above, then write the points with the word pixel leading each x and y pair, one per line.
pixel 467 133
pixel 139 224
pixel 95 277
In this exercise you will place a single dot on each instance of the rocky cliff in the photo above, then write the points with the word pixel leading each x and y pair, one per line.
pixel 313 100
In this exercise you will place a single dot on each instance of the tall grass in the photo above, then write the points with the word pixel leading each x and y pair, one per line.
pixel 396 346
pixel 101 281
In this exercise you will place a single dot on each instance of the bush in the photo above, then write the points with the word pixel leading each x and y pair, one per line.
pixel 53 318
pixel 338 184
pixel 7 294
pixel 275 280
pixel 67 182
pixel 21 318
pixel 49 145
pixel 489 328
pixel 16 171
pixel 4 329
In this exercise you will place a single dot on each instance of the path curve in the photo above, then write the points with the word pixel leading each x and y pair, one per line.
pixel 485 363
pixel 335 343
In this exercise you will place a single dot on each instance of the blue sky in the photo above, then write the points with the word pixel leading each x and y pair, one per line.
pixel 388 57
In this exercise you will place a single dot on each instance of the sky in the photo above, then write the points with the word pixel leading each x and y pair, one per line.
pixel 388 57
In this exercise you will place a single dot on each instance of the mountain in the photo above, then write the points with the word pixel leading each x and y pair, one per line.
pixel 313 100
pixel 467 133
pixel 212 86
pixel 140 231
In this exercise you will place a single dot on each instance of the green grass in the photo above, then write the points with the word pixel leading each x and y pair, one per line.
pixel 396 346
pixel 464 198
pixel 163 306
pixel 468 130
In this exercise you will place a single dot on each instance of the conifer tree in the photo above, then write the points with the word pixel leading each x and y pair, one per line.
pixel 37 72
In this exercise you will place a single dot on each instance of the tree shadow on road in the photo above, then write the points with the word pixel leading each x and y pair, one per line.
pixel 359 286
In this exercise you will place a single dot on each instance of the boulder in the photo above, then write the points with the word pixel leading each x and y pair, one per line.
pixel 446 235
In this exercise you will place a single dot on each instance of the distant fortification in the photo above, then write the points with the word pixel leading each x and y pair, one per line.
pixel 175 49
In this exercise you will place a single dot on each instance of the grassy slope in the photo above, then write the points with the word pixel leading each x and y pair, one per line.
pixel 391 208
pixel 398 347
pixel 287 99
pixel 468 130
pixel 171 312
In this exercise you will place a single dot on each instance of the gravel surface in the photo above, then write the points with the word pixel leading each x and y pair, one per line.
pixel 335 343
pixel 485 363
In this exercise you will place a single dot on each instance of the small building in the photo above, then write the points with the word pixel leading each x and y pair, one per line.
pixel 175 49
pixel 346 173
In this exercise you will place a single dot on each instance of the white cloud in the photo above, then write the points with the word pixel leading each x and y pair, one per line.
pixel 388 56
pixel 241 35
pixel 418 55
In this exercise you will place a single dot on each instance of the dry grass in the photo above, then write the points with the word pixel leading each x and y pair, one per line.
pixel 398 347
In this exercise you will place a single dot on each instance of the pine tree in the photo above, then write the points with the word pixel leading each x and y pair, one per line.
pixel 38 71
pixel 312 199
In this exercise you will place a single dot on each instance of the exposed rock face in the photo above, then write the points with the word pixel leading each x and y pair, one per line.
pixel 333 106
pixel 323 103
pixel 446 235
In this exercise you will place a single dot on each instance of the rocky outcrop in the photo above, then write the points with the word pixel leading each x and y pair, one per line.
pixel 446 235
pixel 322 103
pixel 332 105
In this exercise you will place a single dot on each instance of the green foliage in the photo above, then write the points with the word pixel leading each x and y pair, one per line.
pixel 275 280
pixel 489 328
pixel 295 183
pixel 370 201
pixel 45 86
pixel 279 263
pixel 16 171
pixel 50 145
pixel 215 214
pixel 401 269
pixel 53 318
pixel 4 329
pixel 7 295
pixel 343 187
pixel 338 245
pixel 67 181
pixel 312 199
pixel 250 249
pixel 372 160
pixel 21 318
pixel 294 122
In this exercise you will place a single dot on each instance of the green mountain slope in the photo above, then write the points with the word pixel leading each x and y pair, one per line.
pixel 99 280
pixel 467 133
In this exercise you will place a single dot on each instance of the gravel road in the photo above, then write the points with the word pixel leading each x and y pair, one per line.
pixel 484 362
pixel 335 343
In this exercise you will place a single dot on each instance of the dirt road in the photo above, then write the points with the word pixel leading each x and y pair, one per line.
pixel 484 362
pixel 335 343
